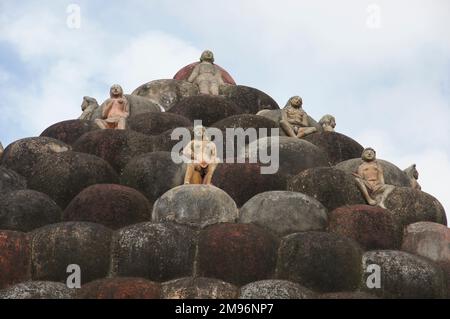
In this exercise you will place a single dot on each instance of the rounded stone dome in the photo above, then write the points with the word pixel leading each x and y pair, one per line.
pixel 249 99
pixel 37 290
pixel 275 289
pixel 198 288
pixel 15 253
pixel 10 180
pixel 157 123
pixel 69 131
pixel 120 288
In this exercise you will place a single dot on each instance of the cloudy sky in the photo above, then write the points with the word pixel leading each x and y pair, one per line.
pixel 381 67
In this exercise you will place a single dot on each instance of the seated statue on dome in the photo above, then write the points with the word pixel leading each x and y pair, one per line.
pixel 206 75
pixel 88 107
pixel 294 120
pixel 413 176
pixel 370 179
pixel 202 158
pixel 328 123
pixel 115 110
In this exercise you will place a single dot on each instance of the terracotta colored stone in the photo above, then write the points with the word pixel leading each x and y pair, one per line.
pixel 295 155
pixel 63 175
pixel 157 123
pixel 337 146
pixel 244 180
pixel 236 253
pixel 195 205
pixel 371 226
pixel 198 288
pixel 185 72
pixel 320 261
pixel 153 174
pixel 23 155
pixel 111 205
pixel 249 99
pixel 392 174
pixel 411 205
pixel 14 257
pixel 275 289
pixel 166 92
pixel 37 290
pixel 10 180
pixel 404 275
pixel 69 131
pixel 207 108
pixel 120 288
pixel 332 187
pixel 57 246
pixel 25 210
pixel 284 212
pixel 158 252
pixel 117 147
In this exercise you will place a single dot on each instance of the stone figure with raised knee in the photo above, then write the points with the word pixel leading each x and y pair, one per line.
pixel 115 110
pixel 294 120
pixel 206 75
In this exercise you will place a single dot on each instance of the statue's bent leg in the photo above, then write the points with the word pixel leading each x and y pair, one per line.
pixel 363 188
pixel 189 172
pixel 208 177
pixel 287 128
pixel 122 123
pixel 214 88
pixel 304 131
pixel 203 87
pixel 101 123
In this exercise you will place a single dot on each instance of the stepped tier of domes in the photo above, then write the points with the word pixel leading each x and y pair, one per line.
pixel 114 202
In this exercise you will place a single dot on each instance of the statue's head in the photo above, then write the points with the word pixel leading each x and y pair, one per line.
pixel 412 171
pixel 328 121
pixel 369 154
pixel 116 91
pixel 295 101
pixel 207 56
pixel 199 132
pixel 87 101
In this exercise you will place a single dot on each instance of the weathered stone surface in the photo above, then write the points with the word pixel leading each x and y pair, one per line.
pixel 166 92
pixel 275 289
pixel 164 141
pixel 195 205
pixel 429 240
pixel 295 155
pixel 337 146
pixel 157 123
pixel 348 295
pixel 10 180
pixel 69 131
pixel 244 180
pixel 404 275
pixel 14 257
pixel 275 115
pixel 185 72
pixel 198 288
pixel 153 174
pixel 138 105
pixel 284 212
pixel 111 205
pixel 249 99
pixel 25 210
pixel 22 155
pixel 332 187
pixel 37 290
pixel 392 174
pixel 320 261
pixel 57 246
pixel 410 206
pixel 120 288
pixel 155 251
pixel 245 121
pixel 207 108
pixel 117 147
pixel 236 253
pixel 63 175
pixel 371 226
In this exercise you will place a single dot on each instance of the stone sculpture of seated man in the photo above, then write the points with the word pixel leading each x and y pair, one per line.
pixel 328 123
pixel 370 179
pixel 115 110
pixel 202 158
pixel 413 175
pixel 294 120
pixel 206 75
pixel 88 107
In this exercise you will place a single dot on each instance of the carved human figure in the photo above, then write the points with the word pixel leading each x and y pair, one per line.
pixel 115 110
pixel 88 107
pixel 370 179
pixel 206 75
pixel 413 176
pixel 328 123
pixel 294 120
pixel 202 158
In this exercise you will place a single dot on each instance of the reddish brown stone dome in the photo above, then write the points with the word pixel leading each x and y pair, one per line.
pixel 186 71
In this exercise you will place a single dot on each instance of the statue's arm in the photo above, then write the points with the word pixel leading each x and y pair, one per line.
pixel 194 74
pixel 106 108
pixel 380 173
pixel 126 107
pixel 187 150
